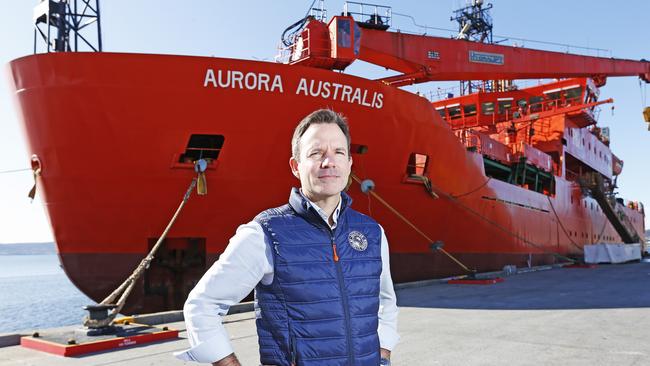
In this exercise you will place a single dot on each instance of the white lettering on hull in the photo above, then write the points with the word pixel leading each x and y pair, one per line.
pixel 235 79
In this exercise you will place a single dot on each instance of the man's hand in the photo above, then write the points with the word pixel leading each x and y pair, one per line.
pixel 384 353
pixel 230 360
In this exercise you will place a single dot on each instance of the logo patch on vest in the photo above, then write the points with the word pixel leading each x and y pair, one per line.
pixel 357 241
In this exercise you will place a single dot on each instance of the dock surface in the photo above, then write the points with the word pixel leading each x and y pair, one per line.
pixel 561 316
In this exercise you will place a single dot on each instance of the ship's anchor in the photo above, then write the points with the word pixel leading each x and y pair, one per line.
pixel 102 315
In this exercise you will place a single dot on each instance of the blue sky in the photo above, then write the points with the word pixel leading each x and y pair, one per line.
pixel 251 30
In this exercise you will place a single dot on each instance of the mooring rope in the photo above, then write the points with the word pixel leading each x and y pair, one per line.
pixel 14 170
pixel 467 208
pixel 127 286
pixel 409 223
pixel 561 225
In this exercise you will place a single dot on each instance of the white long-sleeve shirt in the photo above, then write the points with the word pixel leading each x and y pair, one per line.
pixel 246 261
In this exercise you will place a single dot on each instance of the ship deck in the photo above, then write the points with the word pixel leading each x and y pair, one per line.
pixel 561 316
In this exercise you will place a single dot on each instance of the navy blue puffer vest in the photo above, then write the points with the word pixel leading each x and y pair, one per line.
pixel 321 308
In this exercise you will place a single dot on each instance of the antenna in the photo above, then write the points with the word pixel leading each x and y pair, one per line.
pixel 64 17
pixel 474 24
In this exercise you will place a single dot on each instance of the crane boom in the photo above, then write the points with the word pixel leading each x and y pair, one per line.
pixel 425 58
pixel 422 58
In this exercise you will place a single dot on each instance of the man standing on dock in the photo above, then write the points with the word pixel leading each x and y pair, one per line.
pixel 320 270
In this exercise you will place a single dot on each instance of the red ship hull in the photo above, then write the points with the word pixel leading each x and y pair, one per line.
pixel 109 129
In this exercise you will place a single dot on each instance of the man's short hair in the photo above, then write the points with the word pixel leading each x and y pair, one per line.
pixel 317 117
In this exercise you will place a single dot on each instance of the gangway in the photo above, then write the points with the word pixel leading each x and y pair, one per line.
pixel 595 183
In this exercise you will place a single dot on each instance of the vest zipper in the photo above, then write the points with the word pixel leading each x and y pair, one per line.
pixel 292 346
pixel 294 354
pixel 344 299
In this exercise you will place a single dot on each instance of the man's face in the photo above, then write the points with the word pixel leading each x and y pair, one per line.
pixel 324 164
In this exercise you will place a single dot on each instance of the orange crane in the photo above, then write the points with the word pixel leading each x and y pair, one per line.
pixel 422 58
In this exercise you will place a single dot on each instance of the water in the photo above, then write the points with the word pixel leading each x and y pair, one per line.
pixel 36 294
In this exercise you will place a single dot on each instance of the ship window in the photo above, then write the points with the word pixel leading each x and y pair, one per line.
pixel 417 165
pixel 357 39
pixel 202 147
pixel 343 33
pixel 454 112
pixel 358 149
pixel 535 103
pixel 553 95
pixel 522 103
pixel 487 108
pixel 572 93
pixel 505 105
pixel 441 111
pixel 469 110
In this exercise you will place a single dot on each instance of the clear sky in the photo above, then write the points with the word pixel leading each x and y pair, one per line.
pixel 251 30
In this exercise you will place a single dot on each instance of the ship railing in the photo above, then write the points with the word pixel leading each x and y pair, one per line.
pixel 504 40
pixel 470 140
pixel 507 109
pixel 319 13
pixel 375 15
pixel 283 54
pixel 297 51
pixel 595 113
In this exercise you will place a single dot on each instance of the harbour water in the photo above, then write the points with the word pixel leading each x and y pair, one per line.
pixel 35 293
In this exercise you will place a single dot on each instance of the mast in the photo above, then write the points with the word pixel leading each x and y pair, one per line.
pixel 475 25
pixel 67 26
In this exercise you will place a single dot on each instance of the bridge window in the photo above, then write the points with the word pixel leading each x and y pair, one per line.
pixel 521 103
pixel 454 111
pixel 573 93
pixel 535 103
pixel 553 94
pixel 505 106
pixel 469 110
pixel 487 108
pixel 441 111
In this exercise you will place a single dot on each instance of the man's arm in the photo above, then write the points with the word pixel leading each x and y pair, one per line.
pixel 239 269
pixel 388 336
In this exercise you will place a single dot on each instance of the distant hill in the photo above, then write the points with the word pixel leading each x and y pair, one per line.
pixel 27 249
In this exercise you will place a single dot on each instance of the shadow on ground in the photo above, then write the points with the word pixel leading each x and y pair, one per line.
pixel 603 287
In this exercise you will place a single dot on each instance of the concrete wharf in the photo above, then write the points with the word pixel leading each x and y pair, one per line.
pixel 560 316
